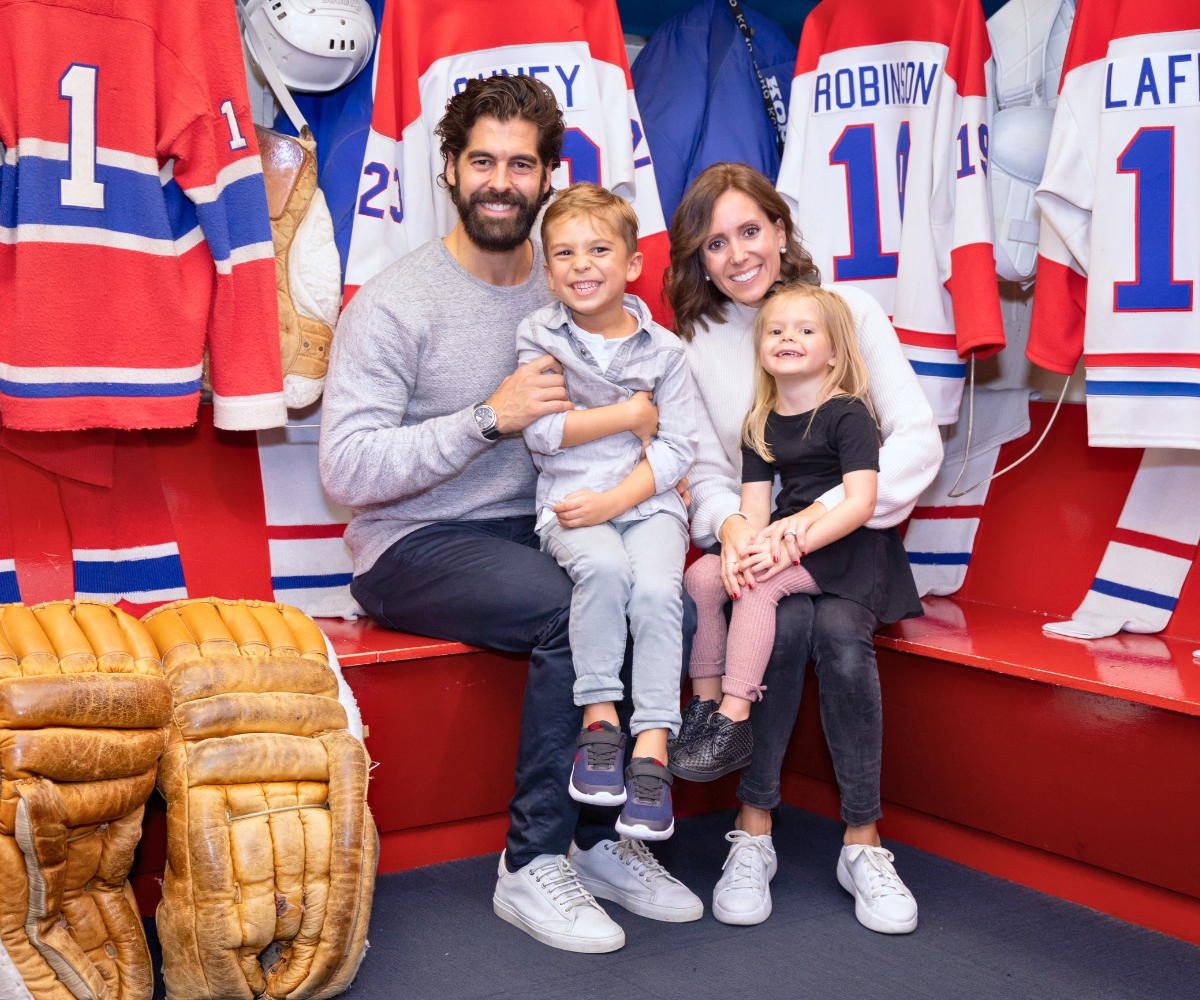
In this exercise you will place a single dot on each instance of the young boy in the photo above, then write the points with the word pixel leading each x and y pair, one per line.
pixel 607 506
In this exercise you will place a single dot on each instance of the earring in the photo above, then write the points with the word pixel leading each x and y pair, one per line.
pixel 783 249
pixel 707 278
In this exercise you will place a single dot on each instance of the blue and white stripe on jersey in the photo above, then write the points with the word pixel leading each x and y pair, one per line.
pixel 142 574
pixel 54 383
pixel 144 210
pixel 1154 376
pixel 10 593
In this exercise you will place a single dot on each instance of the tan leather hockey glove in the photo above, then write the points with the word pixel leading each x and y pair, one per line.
pixel 271 849
pixel 83 711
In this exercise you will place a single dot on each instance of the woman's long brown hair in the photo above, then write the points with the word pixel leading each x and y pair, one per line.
pixel 694 300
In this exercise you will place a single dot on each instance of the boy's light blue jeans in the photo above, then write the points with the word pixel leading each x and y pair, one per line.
pixel 634 570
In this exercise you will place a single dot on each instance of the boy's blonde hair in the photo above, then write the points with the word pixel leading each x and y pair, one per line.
pixel 592 201
pixel 847 377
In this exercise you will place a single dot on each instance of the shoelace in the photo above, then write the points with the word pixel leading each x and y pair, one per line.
pixel 647 789
pixel 750 858
pixel 559 879
pixel 881 874
pixel 634 853
pixel 602 755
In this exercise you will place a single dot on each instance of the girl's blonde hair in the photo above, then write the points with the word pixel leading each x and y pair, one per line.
pixel 847 376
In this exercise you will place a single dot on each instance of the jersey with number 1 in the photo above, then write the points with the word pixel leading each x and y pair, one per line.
pixel 885 169
pixel 1119 252
pixel 428 49
pixel 133 219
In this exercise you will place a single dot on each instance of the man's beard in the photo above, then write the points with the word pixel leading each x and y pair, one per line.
pixel 491 234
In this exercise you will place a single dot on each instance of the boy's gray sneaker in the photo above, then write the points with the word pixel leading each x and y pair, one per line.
pixel 627 873
pixel 743 893
pixel 598 775
pixel 546 900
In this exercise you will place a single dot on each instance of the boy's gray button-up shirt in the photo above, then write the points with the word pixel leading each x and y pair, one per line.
pixel 652 359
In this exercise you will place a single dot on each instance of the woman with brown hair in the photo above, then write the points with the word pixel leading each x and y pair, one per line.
pixel 732 240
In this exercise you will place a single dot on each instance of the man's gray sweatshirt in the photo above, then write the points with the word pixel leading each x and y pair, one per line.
pixel 419 345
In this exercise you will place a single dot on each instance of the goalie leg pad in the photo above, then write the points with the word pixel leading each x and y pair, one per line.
pixel 272 850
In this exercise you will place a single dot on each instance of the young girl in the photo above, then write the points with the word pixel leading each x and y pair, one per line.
pixel 810 424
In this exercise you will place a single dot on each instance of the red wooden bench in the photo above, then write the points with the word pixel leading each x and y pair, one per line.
pixel 1048 761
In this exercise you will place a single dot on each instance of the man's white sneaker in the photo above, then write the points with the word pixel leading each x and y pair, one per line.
pixel 881 901
pixel 546 900
pixel 627 873
pixel 743 893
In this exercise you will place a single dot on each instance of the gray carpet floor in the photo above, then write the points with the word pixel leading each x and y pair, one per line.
pixel 433 935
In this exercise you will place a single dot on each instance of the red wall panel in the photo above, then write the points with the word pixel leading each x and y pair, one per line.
pixel 1046 524
pixel 1081 775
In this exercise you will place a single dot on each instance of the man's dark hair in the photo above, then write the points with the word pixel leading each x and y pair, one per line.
pixel 502 98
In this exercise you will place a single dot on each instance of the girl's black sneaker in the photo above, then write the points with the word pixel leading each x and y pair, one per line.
pixel 695 715
pixel 722 746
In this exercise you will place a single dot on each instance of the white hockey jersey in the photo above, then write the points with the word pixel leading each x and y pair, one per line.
pixel 1119 252
pixel 428 49
pixel 885 169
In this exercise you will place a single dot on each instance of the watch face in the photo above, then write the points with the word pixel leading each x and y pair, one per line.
pixel 485 416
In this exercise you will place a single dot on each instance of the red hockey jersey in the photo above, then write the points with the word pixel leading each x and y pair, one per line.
pixel 1119 250
pixel 428 49
pixel 133 219
pixel 886 171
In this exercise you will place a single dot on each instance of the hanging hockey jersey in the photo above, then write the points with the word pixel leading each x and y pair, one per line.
pixel 1119 255
pixel 428 49
pixel 133 219
pixel 885 168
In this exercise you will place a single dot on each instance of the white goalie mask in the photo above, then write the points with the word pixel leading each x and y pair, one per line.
pixel 1029 41
pixel 317 45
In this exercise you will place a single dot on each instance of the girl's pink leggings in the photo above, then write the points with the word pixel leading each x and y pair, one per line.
pixel 742 656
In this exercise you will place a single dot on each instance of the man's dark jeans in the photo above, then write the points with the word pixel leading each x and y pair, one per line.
pixel 486 583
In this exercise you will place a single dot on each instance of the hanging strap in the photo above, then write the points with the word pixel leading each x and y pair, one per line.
pixel 739 17
pixel 971 426
pixel 258 49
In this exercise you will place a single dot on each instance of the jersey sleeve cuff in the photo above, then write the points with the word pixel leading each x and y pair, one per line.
pixel 249 413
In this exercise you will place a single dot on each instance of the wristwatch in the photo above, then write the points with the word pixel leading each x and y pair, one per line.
pixel 485 417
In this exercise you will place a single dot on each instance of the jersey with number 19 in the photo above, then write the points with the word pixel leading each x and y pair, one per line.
pixel 885 169
pixel 428 49
pixel 1119 253
pixel 133 219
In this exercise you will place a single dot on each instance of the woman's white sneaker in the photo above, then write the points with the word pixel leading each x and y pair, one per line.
pixel 627 873
pixel 881 901
pixel 743 893
pixel 546 900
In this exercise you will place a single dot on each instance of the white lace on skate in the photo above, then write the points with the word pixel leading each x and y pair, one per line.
pixel 882 879
pixel 638 859
pixel 750 858
pixel 559 881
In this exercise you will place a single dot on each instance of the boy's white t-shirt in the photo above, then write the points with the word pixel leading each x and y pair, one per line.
pixel 603 349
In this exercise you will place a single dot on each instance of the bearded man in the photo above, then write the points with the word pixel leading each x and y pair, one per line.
pixel 421 435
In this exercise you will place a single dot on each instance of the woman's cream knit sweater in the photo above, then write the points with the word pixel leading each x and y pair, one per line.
pixel 722 360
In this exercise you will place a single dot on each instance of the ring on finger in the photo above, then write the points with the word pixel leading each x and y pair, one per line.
pixel 790 531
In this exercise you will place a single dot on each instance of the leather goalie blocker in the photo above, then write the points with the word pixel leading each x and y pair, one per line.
pixel 84 711
pixel 271 848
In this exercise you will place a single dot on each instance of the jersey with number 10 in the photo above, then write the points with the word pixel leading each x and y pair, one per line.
pixel 885 169
pixel 1119 253
pixel 133 219
pixel 428 49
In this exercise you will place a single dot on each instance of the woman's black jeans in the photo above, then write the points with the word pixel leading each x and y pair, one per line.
pixel 836 633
